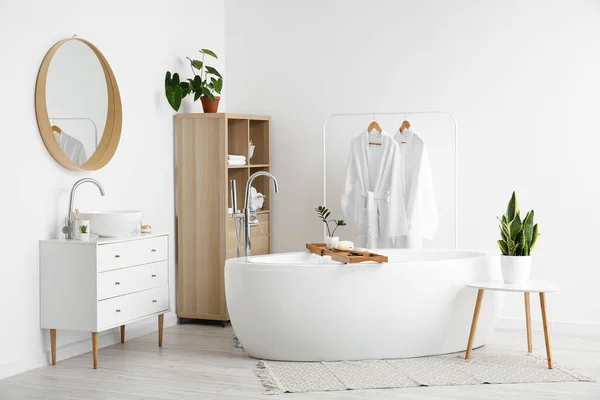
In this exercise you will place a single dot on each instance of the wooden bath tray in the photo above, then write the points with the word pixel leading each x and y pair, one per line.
pixel 345 256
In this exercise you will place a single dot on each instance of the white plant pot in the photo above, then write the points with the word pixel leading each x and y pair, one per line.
pixel 85 237
pixel 331 241
pixel 77 227
pixel 515 269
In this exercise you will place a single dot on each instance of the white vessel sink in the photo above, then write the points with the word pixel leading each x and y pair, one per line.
pixel 115 223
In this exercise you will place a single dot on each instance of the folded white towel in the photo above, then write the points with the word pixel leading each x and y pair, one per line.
pixel 236 162
pixel 236 157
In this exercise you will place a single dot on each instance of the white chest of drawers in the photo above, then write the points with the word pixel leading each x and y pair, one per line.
pixel 98 285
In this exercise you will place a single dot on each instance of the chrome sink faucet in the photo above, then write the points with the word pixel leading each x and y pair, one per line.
pixel 248 216
pixel 68 228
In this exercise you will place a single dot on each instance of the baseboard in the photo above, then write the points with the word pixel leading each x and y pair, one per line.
pixel 106 338
pixel 567 327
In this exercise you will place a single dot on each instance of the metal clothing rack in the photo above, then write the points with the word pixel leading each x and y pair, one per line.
pixel 79 119
pixel 405 113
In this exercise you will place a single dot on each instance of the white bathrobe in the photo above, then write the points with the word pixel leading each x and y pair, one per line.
pixel 72 147
pixel 417 184
pixel 372 197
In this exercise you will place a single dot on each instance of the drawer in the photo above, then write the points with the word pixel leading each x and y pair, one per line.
pixel 115 311
pixel 132 252
pixel 132 279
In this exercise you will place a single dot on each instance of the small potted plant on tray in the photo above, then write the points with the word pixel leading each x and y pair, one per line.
pixel 330 240
pixel 205 84
pixel 85 235
pixel 518 238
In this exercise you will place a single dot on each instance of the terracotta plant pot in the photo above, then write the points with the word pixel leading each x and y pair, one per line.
pixel 209 105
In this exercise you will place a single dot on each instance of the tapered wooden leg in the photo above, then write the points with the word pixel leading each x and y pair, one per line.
pixel 122 333
pixel 528 323
pixel 95 348
pixel 161 322
pixel 53 345
pixel 546 332
pixel 474 324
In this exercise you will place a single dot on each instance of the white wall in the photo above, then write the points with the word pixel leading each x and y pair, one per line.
pixel 141 42
pixel 521 78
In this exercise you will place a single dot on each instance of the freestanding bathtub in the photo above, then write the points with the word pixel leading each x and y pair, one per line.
pixel 303 307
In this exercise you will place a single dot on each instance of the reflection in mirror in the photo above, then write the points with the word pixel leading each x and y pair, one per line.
pixel 437 131
pixel 76 100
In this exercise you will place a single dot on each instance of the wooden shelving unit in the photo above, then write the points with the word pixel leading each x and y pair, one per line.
pixel 205 230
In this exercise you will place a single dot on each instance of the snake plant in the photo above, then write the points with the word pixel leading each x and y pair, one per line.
pixel 519 236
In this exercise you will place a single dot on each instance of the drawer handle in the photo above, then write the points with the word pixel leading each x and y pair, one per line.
pixel 154 301
pixel 153 250
pixel 117 310
pixel 154 275
pixel 117 256
pixel 117 283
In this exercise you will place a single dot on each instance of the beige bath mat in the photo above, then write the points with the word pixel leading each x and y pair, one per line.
pixel 296 377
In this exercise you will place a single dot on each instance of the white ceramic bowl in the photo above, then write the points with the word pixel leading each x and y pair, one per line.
pixel 115 223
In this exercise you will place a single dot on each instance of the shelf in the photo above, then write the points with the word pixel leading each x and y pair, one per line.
pixel 261 212
pixel 263 185
pixel 206 232
pixel 259 135
pixel 238 137
pixel 249 166
pixel 241 177
pixel 221 116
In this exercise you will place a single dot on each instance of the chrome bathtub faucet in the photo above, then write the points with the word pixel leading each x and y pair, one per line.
pixel 248 217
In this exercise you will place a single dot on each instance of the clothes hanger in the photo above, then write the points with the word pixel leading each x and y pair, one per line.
pixel 404 126
pixel 377 127
pixel 55 128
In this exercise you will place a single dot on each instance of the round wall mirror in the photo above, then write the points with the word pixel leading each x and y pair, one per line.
pixel 78 105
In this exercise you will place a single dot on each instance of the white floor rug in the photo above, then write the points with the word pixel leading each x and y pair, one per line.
pixel 296 377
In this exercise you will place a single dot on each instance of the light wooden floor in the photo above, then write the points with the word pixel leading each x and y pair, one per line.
pixel 197 362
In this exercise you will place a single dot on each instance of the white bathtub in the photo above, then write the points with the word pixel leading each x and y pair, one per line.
pixel 302 307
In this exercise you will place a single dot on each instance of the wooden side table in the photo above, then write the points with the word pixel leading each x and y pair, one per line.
pixel 541 287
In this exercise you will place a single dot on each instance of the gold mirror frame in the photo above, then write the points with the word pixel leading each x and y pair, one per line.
pixel 112 130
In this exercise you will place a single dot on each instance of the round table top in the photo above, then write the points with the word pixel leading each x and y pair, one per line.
pixel 530 286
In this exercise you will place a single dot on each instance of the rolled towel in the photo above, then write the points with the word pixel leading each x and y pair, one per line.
pixel 236 162
pixel 232 157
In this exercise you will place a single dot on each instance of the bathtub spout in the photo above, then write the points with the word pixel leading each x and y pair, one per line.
pixel 248 216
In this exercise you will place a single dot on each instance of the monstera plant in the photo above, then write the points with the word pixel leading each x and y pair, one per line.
pixel 518 238
pixel 205 84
